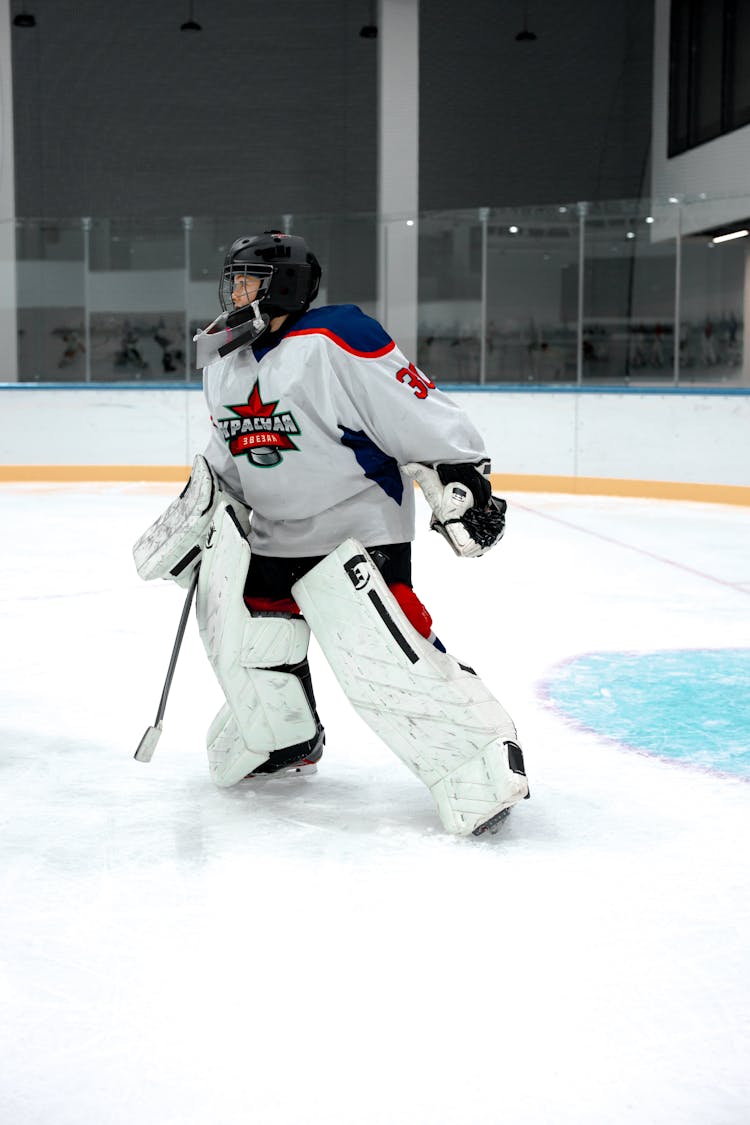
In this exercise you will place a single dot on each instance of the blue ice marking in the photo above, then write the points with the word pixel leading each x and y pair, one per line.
pixel 687 705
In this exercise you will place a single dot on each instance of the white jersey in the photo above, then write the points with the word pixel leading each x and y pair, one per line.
pixel 310 433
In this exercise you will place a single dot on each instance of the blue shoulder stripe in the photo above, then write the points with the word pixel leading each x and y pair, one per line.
pixel 348 327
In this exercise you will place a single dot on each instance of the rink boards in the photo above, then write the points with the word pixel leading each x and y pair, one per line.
pixel 660 443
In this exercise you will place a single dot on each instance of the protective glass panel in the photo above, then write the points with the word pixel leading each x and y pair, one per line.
pixel 450 286
pixel 136 300
pixel 532 294
pixel 50 300
pixel 711 322
pixel 629 296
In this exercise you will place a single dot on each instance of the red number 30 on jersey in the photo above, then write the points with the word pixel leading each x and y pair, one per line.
pixel 420 383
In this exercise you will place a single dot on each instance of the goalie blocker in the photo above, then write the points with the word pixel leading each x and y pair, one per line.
pixel 172 546
pixel 433 712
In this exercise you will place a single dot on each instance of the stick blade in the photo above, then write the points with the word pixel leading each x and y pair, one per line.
pixel 147 745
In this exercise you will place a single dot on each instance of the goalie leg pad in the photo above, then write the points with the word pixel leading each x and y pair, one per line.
pixel 435 714
pixel 258 661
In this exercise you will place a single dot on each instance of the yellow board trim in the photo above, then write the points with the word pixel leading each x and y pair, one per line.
pixel 509 482
pixel 54 473
pixel 612 486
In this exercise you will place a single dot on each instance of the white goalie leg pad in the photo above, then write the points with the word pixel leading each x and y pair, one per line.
pixel 436 716
pixel 267 708
pixel 171 547
pixel 227 754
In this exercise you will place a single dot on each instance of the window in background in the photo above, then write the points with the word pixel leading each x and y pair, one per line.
pixel 709 71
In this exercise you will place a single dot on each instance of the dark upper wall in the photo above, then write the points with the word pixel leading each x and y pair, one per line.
pixel 567 117
pixel 270 109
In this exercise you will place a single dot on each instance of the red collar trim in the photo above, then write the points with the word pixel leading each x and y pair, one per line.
pixel 342 343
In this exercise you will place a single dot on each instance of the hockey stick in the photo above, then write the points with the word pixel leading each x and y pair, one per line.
pixel 147 745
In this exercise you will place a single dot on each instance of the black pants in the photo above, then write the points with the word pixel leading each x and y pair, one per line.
pixel 273 577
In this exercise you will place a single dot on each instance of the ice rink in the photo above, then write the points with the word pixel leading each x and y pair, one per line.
pixel 317 951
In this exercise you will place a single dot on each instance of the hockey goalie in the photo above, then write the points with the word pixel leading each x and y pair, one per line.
pixel 300 518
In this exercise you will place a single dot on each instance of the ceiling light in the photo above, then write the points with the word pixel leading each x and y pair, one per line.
pixel 513 230
pixel 729 237
pixel 525 36
pixel 630 234
pixel 649 218
pixel 191 24
pixel 370 30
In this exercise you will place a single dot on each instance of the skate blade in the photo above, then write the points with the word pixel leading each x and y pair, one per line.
pixel 493 824
pixel 300 769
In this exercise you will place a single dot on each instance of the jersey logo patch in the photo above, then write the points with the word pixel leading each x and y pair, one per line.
pixel 258 431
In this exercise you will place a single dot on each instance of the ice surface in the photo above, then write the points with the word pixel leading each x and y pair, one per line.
pixel 317 950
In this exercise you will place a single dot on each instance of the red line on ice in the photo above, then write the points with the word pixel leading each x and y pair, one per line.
pixel 630 547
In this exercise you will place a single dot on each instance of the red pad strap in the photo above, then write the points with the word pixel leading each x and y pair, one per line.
pixel 415 612
pixel 272 605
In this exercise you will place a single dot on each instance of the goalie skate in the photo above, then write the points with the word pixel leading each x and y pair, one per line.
pixel 289 762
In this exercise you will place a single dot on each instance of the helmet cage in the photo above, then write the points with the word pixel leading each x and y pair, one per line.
pixel 232 271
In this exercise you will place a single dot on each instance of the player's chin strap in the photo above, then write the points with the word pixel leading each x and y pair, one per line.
pixel 223 335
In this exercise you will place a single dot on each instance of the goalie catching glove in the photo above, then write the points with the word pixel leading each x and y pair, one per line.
pixel 464 510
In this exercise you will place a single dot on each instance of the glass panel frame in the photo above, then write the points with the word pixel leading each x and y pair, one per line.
pixel 502 299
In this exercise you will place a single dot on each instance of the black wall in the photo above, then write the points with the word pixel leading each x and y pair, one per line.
pixel 564 118
pixel 272 107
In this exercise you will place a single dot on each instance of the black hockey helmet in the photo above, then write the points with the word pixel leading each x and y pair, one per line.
pixel 289 272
